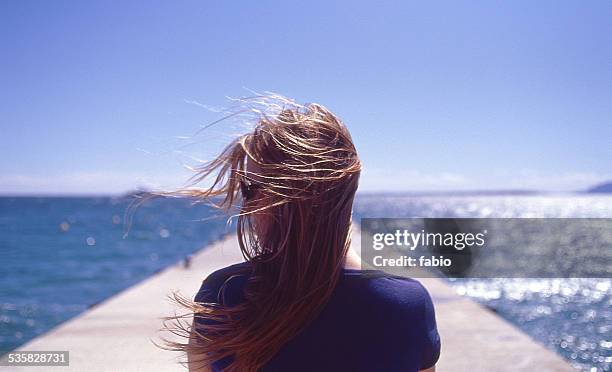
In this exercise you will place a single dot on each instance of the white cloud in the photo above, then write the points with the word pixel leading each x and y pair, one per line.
pixel 565 181
pixel 410 180
pixel 112 182
pixel 525 179
pixel 88 182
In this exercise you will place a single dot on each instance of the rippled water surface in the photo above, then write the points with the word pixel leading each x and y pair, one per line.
pixel 573 317
pixel 62 255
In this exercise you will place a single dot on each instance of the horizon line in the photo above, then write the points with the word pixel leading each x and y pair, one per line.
pixel 490 192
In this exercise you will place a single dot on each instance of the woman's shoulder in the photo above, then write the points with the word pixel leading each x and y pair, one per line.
pixel 212 284
pixel 393 290
pixel 399 307
pixel 389 281
pixel 228 271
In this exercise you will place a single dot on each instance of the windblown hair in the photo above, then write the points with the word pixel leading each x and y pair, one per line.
pixel 294 233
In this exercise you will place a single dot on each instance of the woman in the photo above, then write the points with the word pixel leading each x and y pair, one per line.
pixel 300 301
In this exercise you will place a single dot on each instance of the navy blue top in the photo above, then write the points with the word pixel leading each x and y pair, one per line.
pixel 372 322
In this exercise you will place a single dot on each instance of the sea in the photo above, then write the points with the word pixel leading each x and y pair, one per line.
pixel 60 256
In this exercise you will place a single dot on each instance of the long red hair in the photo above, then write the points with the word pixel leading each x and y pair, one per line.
pixel 294 232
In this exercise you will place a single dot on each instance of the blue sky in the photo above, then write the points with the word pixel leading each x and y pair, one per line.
pixel 438 95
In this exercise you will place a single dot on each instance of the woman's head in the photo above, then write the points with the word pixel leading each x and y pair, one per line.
pixel 299 167
pixel 294 178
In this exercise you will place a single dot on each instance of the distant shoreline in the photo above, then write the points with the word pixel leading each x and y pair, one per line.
pixel 602 188
pixel 359 193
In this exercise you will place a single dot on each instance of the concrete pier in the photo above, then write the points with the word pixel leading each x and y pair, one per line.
pixel 117 334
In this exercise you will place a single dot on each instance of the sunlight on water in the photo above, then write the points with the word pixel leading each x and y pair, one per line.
pixel 67 254
pixel 569 316
pixel 61 256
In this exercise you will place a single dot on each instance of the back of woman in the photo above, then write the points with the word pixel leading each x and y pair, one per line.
pixel 372 322
pixel 300 302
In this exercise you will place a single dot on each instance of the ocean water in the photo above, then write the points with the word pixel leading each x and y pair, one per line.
pixel 572 317
pixel 60 256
